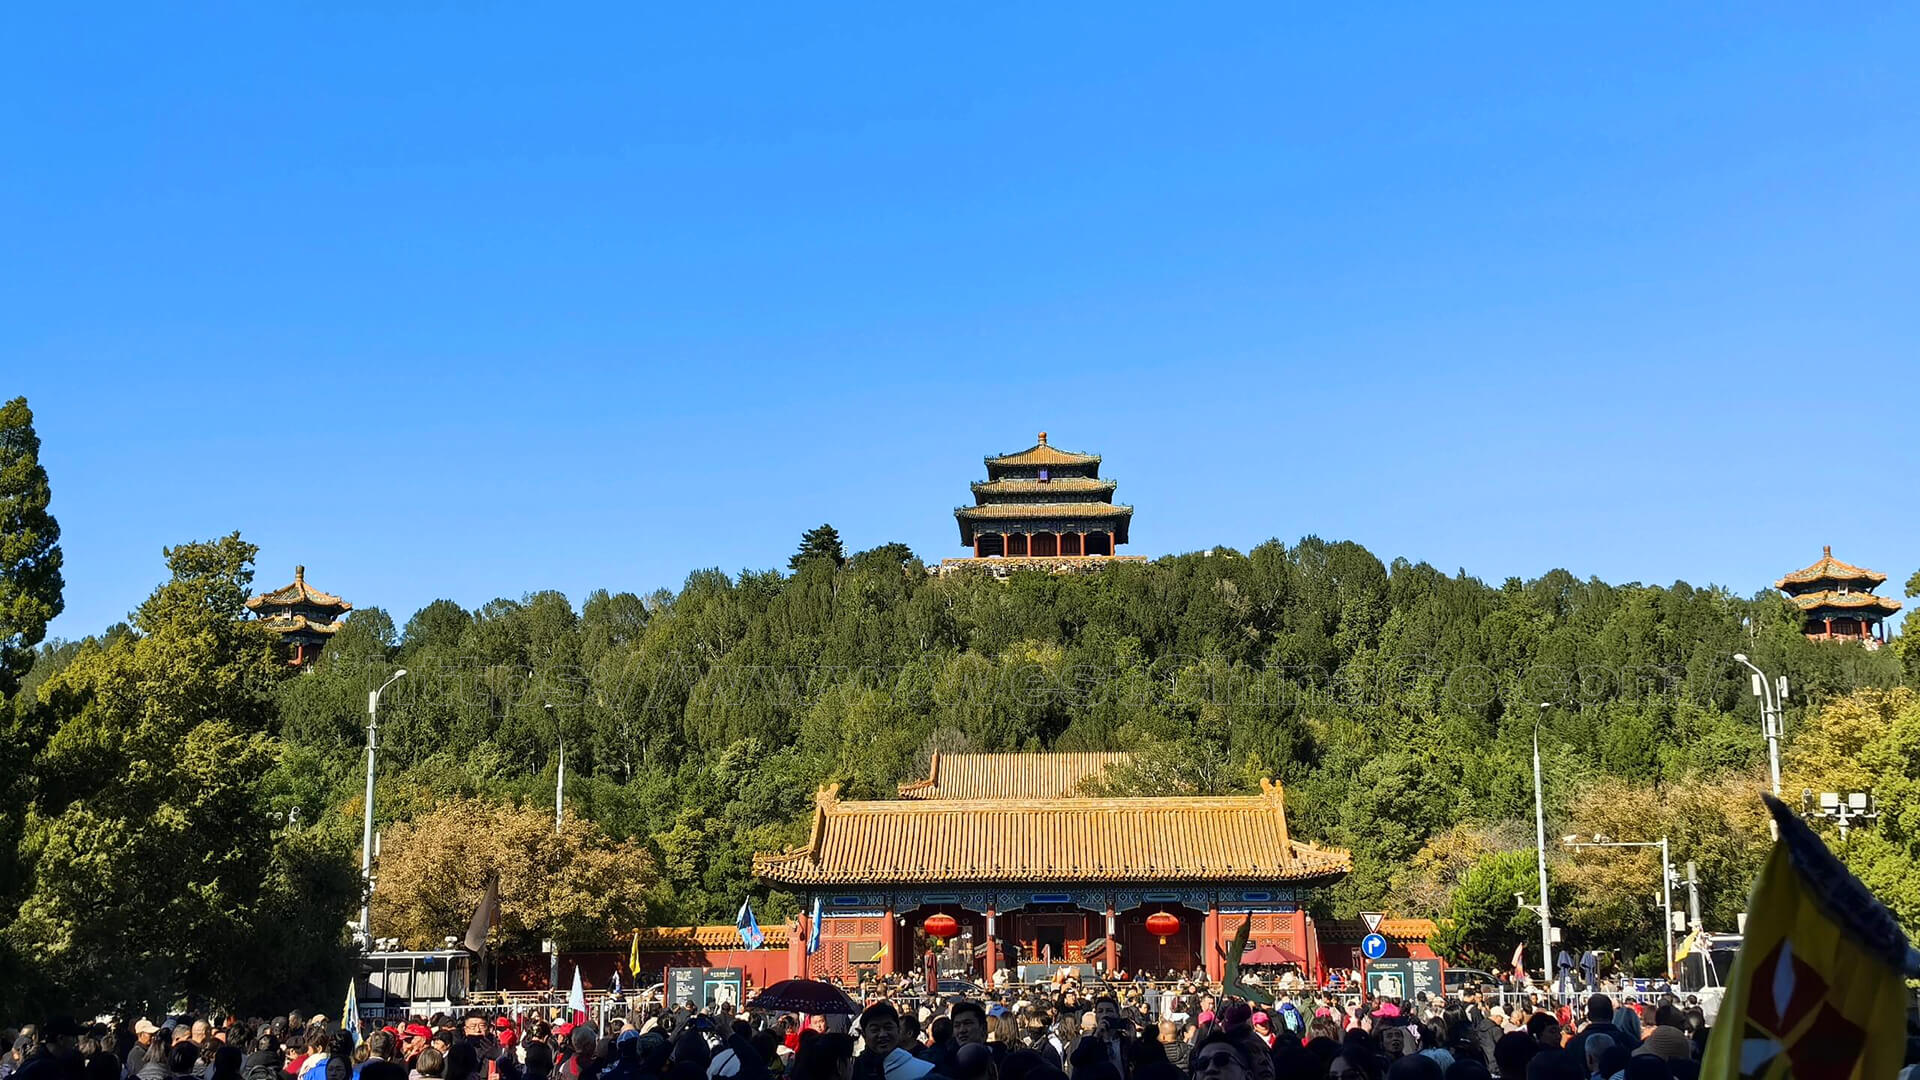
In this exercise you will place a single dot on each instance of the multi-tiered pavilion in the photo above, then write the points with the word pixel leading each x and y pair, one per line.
pixel 1027 870
pixel 1043 503
pixel 1836 600
pixel 302 615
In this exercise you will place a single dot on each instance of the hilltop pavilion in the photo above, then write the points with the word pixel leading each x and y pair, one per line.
pixel 1027 870
pixel 1045 508
pixel 1836 599
pixel 301 614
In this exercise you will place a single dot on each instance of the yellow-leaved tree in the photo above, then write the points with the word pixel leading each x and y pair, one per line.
pixel 578 886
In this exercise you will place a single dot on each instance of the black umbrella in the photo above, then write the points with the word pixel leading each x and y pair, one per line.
pixel 805 996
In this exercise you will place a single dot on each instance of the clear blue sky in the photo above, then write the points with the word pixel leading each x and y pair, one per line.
pixel 474 299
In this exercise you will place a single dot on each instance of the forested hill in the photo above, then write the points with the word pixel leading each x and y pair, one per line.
pixel 1397 704
pixel 1392 700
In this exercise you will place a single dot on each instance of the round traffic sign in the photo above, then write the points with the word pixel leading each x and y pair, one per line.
pixel 1373 946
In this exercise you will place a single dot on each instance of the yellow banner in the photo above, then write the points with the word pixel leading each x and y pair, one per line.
pixel 1816 991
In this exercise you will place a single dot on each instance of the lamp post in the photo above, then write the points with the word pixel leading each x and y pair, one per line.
pixel 1540 841
pixel 366 824
pixel 1666 880
pixel 1844 809
pixel 1771 694
pixel 559 788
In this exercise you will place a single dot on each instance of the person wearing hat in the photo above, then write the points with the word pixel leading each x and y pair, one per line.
pixel 1667 1043
pixel 143 1030
pixel 55 1057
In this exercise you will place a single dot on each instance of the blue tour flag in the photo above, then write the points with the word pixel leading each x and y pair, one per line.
pixel 813 929
pixel 749 927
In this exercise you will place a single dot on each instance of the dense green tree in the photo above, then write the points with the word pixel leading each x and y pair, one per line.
pixel 1482 922
pixel 30 581
pixel 821 542
pixel 158 862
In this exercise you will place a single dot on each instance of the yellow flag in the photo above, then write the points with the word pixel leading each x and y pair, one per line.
pixel 1687 945
pixel 633 959
pixel 1816 992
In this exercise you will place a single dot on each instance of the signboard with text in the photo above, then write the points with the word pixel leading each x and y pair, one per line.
pixel 1404 978
pixel 706 988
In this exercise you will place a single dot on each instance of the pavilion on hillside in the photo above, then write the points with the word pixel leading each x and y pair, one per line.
pixel 301 614
pixel 1042 507
pixel 1027 872
pixel 1837 602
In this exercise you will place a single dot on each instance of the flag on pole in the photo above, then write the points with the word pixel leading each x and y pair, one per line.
pixel 1519 962
pixel 813 929
pixel 749 927
pixel 577 998
pixel 633 956
pixel 350 1012
pixel 1687 945
pixel 1817 990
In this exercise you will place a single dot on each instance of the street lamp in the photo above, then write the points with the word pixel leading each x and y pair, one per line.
pixel 1540 843
pixel 366 825
pixel 1771 693
pixel 559 789
pixel 1667 877
pixel 1845 809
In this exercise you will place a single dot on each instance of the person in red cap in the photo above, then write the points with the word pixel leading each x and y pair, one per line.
pixel 417 1037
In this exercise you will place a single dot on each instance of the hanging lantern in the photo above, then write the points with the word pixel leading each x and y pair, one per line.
pixel 941 926
pixel 1162 925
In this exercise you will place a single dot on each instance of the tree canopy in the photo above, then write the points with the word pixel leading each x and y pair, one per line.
pixel 29 546
pixel 1397 704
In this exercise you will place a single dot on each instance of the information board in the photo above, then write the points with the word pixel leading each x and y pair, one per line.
pixel 1403 978
pixel 706 988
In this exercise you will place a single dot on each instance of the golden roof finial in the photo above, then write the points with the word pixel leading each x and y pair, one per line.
pixel 1826 551
pixel 1043 438
pixel 299 575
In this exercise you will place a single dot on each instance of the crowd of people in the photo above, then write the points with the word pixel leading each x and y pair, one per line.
pixel 1183 1032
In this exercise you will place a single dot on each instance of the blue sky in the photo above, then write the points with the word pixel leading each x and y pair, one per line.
pixel 468 300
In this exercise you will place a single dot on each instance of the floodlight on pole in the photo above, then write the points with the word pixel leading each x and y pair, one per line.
pixel 1771 693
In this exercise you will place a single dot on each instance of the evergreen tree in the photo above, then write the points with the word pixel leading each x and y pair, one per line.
pixel 29 547
pixel 819 543
pixel 158 864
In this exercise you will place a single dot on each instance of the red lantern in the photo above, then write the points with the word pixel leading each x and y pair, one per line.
pixel 1162 925
pixel 941 926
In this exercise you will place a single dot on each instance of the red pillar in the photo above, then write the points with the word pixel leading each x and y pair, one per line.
pixel 1829 623
pixel 993 949
pixel 891 939
pixel 1211 947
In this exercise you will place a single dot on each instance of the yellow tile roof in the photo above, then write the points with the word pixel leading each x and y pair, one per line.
pixel 1223 838
pixel 287 624
pixel 297 593
pixel 1008 776
pixel 1831 599
pixel 1830 569
pixel 1027 511
pixel 657 938
pixel 1392 929
pixel 1066 485
pixel 1042 454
